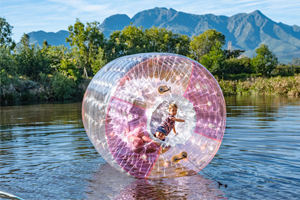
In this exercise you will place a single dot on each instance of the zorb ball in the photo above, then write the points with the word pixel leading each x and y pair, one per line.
pixel 128 99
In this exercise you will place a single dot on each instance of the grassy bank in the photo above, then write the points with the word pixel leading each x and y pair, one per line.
pixel 58 87
pixel 20 89
pixel 276 85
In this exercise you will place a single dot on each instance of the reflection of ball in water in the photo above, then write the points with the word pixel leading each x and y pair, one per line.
pixel 123 106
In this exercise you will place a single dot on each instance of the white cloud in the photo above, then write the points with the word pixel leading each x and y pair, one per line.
pixel 55 15
pixel 84 6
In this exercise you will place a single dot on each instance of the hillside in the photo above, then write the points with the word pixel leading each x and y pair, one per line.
pixel 245 31
pixel 52 38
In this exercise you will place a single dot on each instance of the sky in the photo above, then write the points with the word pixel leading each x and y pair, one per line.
pixel 54 15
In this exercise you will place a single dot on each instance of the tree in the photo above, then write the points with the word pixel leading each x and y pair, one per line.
pixel 237 66
pixel 7 60
pixel 30 59
pixel 130 40
pixel 134 39
pixel 63 86
pixel 265 61
pixel 65 61
pixel 70 69
pixel 163 40
pixel 233 53
pixel 99 61
pixel 56 54
pixel 25 40
pixel 182 44
pixel 203 43
pixel 5 34
pixel 214 60
pixel 115 46
pixel 87 39
pixel 45 46
pixel 296 61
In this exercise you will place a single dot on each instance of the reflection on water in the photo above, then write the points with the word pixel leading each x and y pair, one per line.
pixel 45 154
pixel 108 183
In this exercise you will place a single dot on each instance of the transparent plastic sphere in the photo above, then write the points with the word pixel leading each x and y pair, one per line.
pixel 129 97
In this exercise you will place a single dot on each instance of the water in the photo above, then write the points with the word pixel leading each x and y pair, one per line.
pixel 46 154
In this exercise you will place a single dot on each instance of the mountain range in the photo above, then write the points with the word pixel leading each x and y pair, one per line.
pixel 245 31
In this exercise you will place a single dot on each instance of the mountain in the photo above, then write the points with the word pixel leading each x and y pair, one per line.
pixel 245 31
pixel 55 39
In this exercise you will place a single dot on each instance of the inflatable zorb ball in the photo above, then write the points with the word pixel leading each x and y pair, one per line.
pixel 129 97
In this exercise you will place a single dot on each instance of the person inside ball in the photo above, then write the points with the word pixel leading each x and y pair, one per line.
pixel 168 123
pixel 138 138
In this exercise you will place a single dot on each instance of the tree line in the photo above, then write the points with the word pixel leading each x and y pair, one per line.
pixel 63 69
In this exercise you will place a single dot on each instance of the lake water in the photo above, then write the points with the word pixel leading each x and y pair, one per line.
pixel 46 154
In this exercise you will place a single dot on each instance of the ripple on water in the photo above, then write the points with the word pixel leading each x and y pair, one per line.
pixel 45 154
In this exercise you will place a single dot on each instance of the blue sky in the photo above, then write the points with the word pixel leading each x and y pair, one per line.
pixel 55 15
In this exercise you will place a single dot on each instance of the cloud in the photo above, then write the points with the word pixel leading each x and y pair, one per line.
pixel 85 6
pixel 55 15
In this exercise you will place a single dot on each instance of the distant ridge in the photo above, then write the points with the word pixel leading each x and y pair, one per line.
pixel 246 31
pixel 58 38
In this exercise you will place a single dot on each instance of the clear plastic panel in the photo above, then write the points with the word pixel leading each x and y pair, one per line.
pixel 122 107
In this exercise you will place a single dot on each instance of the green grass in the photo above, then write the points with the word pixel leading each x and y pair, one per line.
pixel 275 85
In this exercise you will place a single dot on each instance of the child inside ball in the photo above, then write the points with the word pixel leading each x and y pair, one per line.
pixel 168 123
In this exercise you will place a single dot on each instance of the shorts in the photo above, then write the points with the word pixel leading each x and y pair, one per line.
pixel 161 129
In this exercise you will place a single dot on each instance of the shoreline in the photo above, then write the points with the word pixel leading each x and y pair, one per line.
pixel 289 86
pixel 36 93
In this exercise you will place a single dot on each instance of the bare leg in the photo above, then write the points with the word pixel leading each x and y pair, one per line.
pixel 163 150
pixel 146 138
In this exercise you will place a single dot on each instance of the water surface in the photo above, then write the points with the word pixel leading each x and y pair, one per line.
pixel 46 154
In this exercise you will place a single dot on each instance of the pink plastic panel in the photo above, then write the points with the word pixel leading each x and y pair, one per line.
pixel 122 120
pixel 205 95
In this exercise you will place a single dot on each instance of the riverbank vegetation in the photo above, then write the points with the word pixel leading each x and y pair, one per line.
pixel 274 85
pixel 42 73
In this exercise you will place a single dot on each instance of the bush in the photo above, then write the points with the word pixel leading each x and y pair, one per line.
pixel 285 70
pixel 44 80
pixel 31 60
pixel 4 77
pixel 63 86
pixel 276 85
pixel 242 76
pixel 8 92
pixel 7 60
pixel 228 87
pixel 265 61
pixel 16 89
pixel 69 68
pixel 237 66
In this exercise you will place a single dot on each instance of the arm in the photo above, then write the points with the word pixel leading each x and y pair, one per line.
pixel 174 130
pixel 177 120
